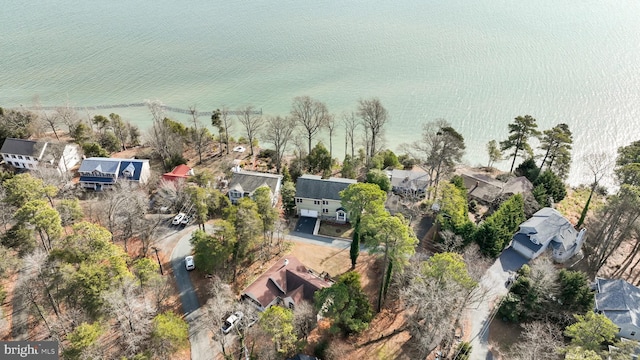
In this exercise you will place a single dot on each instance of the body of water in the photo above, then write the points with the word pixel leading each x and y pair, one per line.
pixel 477 64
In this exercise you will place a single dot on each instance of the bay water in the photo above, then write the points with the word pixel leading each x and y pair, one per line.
pixel 477 64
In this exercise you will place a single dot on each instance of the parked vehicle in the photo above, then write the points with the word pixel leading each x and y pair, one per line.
pixel 189 263
pixel 178 219
pixel 232 321
pixel 185 221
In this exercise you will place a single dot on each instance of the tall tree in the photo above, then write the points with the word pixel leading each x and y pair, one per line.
pixel 319 160
pixel 200 136
pixel 392 236
pixel 358 199
pixel 247 223
pixel 164 138
pixel 350 125
pixel 170 333
pixel 598 165
pixel 590 331
pixel 252 123
pixel 311 114
pixel 523 128
pixel 331 127
pixel 374 116
pixel 216 121
pixel 556 143
pixel 278 323
pixel 440 149
pixel 45 220
pixel 494 152
pixel 627 168
pixel 51 120
pixel 23 188
pixel 268 215
pixel 277 132
pixel 119 128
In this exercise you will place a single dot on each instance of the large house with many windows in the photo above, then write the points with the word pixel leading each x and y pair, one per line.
pixel 102 173
pixel 34 155
pixel 320 198
pixel 245 183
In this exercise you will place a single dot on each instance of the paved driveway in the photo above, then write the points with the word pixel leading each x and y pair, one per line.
pixel 306 225
pixel 493 283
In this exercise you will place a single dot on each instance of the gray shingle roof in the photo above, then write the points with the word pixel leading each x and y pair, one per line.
pixel 526 242
pixel 249 181
pixel 314 187
pixel 549 225
pixel 409 179
pixel 619 301
pixel 22 147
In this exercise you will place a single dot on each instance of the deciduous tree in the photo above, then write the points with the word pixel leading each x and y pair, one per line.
pixel 278 131
pixel 311 114
pixel 598 165
pixel 374 117
pixel 380 178
pixel 251 122
pixel 350 123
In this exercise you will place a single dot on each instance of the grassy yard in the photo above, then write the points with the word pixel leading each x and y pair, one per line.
pixel 335 230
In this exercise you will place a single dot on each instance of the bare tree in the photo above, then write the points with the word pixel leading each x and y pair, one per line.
pixel 311 114
pixel 374 116
pixel 162 140
pixel 350 125
pixel 304 319
pixel 51 120
pixel 278 132
pixel 172 194
pixel 123 210
pixel 127 304
pixel 68 116
pixel 200 135
pixel 538 341
pixel 599 164
pixel 218 307
pixel 251 122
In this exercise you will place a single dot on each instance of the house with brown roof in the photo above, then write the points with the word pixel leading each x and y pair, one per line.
pixel 485 189
pixel 286 283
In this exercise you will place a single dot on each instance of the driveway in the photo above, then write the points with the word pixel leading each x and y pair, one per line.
pixel 306 225
pixel 201 344
pixel 493 284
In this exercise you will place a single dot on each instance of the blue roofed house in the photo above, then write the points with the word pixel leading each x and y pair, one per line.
pixel 320 198
pixel 620 302
pixel 100 173
pixel 548 229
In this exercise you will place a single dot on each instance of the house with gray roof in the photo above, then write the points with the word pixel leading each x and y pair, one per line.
pixel 33 155
pixel 410 183
pixel 620 302
pixel 245 183
pixel 100 173
pixel 320 198
pixel 547 228
pixel 485 189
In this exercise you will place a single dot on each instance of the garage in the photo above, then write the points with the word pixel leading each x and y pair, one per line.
pixel 309 213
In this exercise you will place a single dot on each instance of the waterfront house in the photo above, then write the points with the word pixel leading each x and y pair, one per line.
pixel 484 189
pixel 245 183
pixel 620 302
pixel 99 173
pixel 33 155
pixel 547 228
pixel 320 198
pixel 286 283
pixel 410 183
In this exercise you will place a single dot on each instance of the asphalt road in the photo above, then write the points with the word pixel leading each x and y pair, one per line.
pixel 493 283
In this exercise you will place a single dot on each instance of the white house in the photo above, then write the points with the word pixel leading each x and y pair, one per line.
pixel 32 155
pixel 245 183
pixel 100 173
pixel 548 228
pixel 320 198
pixel 620 302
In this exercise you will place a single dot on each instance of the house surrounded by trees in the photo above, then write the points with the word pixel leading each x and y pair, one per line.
pixel 619 301
pixel 32 155
pixel 548 228
pixel 245 183
pixel 101 173
pixel 320 198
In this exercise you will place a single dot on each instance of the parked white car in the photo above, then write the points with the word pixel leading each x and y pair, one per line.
pixel 178 219
pixel 185 221
pixel 232 321
pixel 189 263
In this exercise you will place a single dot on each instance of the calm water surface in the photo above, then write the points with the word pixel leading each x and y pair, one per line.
pixel 477 64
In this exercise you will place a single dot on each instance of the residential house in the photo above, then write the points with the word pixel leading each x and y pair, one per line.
pixel 410 183
pixel 286 283
pixel 100 173
pixel 620 302
pixel 179 172
pixel 33 155
pixel 483 188
pixel 320 198
pixel 245 183
pixel 548 228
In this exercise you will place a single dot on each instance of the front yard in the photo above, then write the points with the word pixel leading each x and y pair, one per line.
pixel 335 230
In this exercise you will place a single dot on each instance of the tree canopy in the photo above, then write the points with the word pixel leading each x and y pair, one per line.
pixel 523 128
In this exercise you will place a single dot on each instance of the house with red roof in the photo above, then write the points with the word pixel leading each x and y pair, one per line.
pixel 286 283
pixel 179 172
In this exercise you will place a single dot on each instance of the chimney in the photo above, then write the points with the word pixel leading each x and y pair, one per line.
pixel 286 262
